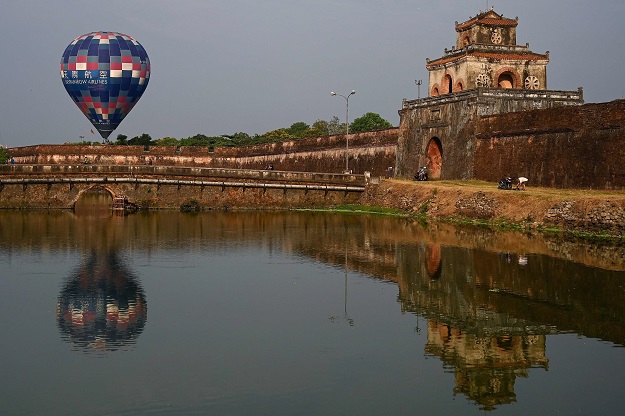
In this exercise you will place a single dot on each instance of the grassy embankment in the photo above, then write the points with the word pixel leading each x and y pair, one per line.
pixel 481 203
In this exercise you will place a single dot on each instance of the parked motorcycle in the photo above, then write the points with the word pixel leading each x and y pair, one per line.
pixel 505 183
pixel 422 174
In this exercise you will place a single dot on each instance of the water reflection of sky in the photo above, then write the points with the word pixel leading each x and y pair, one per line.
pixel 279 312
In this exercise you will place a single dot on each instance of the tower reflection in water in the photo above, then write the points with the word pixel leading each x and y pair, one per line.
pixel 486 359
pixel 485 349
pixel 102 306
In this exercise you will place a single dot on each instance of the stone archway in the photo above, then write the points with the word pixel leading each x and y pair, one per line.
pixel 96 200
pixel 434 158
pixel 506 80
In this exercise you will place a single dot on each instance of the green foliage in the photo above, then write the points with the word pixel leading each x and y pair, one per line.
pixel 143 140
pixel 369 122
pixel 4 155
pixel 322 127
pixel 312 132
pixel 328 128
pixel 279 135
pixel 122 140
pixel 240 139
pixel 168 141
pixel 202 140
pixel 298 129
pixel 335 126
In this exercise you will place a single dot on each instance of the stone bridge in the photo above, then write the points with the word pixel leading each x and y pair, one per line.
pixel 170 187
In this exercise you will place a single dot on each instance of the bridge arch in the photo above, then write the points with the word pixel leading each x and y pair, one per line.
pixel 110 191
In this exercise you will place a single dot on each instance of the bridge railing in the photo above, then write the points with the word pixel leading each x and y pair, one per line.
pixel 178 172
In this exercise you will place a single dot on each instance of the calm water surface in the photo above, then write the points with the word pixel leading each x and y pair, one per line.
pixel 303 314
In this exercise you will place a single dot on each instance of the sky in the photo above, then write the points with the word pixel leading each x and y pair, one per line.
pixel 227 66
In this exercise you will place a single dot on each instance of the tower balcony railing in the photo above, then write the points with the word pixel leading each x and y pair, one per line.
pixel 483 47
pixel 478 94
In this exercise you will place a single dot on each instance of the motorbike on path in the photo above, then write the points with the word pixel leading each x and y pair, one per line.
pixel 422 174
pixel 505 183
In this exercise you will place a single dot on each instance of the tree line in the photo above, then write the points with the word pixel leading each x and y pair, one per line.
pixel 298 130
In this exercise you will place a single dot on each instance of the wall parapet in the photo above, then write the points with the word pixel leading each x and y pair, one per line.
pixel 372 151
pixel 478 94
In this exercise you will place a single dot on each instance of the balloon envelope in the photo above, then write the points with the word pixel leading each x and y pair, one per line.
pixel 105 73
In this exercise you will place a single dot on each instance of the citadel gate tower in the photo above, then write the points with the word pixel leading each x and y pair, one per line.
pixel 486 73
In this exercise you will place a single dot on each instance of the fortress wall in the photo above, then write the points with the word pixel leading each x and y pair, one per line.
pixel 369 151
pixel 567 147
pixel 449 122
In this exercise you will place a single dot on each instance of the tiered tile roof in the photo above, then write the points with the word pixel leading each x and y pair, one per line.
pixel 489 18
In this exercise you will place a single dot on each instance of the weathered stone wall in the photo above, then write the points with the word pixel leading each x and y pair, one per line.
pixel 569 147
pixel 449 122
pixel 370 151
pixel 487 134
pixel 171 196
pixel 484 134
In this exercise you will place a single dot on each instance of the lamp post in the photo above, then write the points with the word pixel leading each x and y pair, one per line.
pixel 346 126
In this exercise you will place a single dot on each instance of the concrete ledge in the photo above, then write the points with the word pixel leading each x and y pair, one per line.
pixel 221 184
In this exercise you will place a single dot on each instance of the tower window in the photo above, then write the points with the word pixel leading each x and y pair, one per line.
pixel 447 81
pixel 506 80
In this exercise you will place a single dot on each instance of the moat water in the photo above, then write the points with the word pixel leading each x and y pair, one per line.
pixel 291 313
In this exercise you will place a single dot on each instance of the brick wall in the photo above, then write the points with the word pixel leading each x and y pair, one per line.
pixel 568 147
pixel 371 151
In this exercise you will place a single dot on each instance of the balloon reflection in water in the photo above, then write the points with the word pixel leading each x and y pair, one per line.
pixel 102 305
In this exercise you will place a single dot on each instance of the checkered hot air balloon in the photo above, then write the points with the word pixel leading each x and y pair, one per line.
pixel 105 73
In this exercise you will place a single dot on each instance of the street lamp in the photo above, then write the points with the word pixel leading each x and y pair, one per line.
pixel 346 126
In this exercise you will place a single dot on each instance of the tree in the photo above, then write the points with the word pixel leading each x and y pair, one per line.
pixel 279 135
pixel 335 126
pixel 4 155
pixel 167 141
pixel 314 132
pixel 241 139
pixel 327 128
pixel 298 129
pixel 322 127
pixel 122 139
pixel 369 122
pixel 143 140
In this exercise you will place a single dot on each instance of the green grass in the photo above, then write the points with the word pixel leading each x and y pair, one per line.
pixel 361 209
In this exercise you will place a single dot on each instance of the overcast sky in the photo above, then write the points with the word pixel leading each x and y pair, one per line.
pixel 224 66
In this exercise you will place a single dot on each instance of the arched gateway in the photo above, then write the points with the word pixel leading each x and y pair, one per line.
pixel 434 158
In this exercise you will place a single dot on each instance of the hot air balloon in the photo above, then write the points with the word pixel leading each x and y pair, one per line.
pixel 105 73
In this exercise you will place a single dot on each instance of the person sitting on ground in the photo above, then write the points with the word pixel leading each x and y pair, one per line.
pixel 520 183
